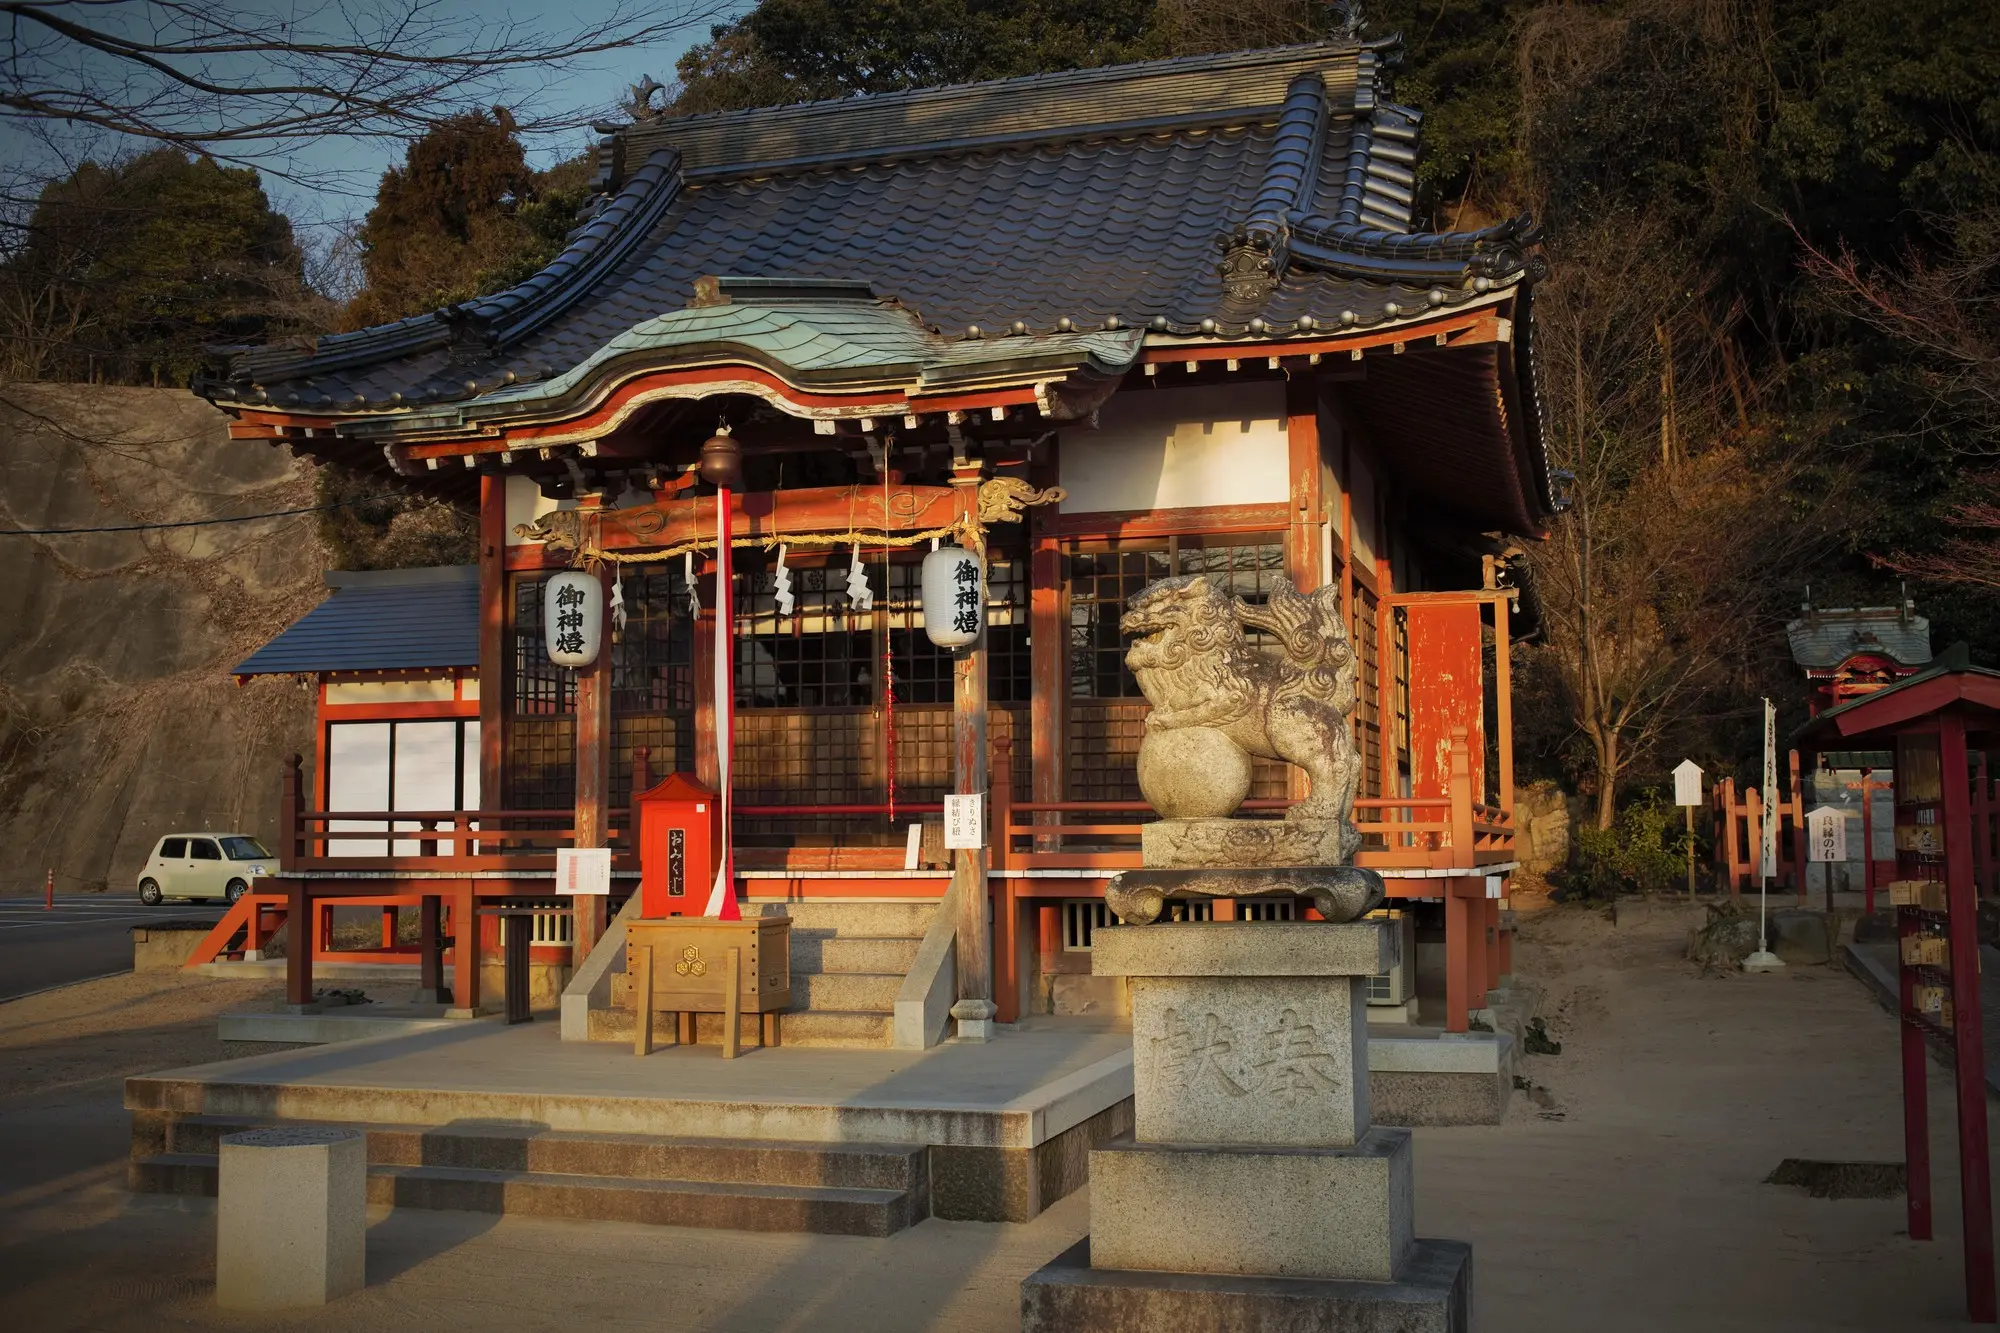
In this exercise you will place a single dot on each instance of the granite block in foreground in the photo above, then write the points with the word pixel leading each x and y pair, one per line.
pixel 1433 1295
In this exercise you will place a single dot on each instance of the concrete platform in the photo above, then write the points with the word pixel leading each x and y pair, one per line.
pixel 1433 1294
pixel 345 1023
pixel 1007 1125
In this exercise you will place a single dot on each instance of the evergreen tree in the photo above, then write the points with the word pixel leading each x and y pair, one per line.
pixel 125 272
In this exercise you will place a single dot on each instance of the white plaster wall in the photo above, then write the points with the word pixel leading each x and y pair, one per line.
pixel 1180 449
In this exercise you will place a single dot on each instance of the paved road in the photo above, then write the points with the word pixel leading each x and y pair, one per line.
pixel 87 935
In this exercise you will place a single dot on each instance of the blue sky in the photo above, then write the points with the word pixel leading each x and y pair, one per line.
pixel 332 180
pixel 596 87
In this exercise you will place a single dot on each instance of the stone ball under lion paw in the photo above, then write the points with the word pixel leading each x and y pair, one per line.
pixel 1193 773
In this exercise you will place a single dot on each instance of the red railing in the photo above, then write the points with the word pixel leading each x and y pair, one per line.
pixel 1412 832
pixel 1037 834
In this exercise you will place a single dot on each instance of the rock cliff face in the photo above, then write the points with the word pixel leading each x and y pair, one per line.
pixel 119 720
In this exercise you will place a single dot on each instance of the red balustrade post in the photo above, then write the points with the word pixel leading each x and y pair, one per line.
pixel 291 815
pixel 1006 911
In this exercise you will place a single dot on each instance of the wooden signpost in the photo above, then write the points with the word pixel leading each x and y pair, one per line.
pixel 1687 795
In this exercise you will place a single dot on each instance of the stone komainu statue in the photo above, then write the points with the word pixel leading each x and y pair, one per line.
pixel 1198 670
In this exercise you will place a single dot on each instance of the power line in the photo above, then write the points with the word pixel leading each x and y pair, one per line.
pixel 193 522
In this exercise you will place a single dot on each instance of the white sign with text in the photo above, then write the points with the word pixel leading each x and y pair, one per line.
pixel 1826 834
pixel 583 870
pixel 965 822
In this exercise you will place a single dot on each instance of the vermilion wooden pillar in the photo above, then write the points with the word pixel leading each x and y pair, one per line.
pixel 1047 640
pixel 707 757
pixel 1916 1096
pixel 1458 928
pixel 1968 1040
pixel 970 887
pixel 492 644
pixel 465 949
pixel 593 778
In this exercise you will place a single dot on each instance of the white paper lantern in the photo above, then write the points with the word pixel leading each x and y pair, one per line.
pixel 954 597
pixel 573 618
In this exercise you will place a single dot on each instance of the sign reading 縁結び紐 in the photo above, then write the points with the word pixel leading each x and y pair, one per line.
pixel 965 822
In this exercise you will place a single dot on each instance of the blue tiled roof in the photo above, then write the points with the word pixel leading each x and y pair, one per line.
pixel 381 620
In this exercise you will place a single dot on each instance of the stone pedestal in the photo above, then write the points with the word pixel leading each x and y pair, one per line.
pixel 1254 1193
pixel 291 1217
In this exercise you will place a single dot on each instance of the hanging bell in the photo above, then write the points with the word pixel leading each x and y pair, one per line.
pixel 721 460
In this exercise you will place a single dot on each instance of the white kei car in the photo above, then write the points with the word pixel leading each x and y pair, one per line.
pixel 203 865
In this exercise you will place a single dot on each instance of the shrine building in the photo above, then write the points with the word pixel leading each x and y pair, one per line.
pixel 1096 328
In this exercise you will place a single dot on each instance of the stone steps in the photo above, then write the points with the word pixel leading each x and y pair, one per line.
pixel 848 961
pixel 837 1189
pixel 863 992
pixel 872 920
pixel 798 1027
pixel 853 953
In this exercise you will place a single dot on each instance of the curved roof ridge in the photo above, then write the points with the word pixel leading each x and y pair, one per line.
pixel 1049 104
pixel 599 245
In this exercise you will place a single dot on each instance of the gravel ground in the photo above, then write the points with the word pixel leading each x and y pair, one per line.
pixel 1624 1192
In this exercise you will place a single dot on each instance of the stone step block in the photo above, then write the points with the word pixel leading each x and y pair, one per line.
pixel 854 953
pixel 1433 1294
pixel 1344 1213
pixel 634 1156
pixel 798 1027
pixel 727 1206
pixel 867 992
pixel 877 920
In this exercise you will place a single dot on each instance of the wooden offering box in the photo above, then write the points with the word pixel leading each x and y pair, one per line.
pixel 688 959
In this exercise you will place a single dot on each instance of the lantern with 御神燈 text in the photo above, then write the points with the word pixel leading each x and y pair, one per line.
pixel 573 618
pixel 954 597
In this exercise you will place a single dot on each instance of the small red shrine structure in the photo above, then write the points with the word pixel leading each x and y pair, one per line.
pixel 1942 725
pixel 1850 651
pixel 1100 328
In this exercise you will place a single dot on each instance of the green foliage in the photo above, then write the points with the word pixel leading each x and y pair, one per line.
pixel 1645 851
pixel 125 271
pixel 462 217
pixel 787 51
pixel 377 527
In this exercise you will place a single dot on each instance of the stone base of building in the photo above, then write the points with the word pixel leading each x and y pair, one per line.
pixel 1432 1294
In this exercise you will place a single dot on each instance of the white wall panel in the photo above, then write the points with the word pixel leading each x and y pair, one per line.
pixel 1217 444
pixel 426 773
pixel 357 778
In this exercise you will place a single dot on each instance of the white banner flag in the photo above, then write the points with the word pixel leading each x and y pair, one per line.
pixel 1767 865
pixel 722 895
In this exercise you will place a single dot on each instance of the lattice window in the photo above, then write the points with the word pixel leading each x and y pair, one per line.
pixel 541 762
pixel 669 741
pixel 1103 743
pixel 1368 703
pixel 1244 566
pixel 1103 581
pixel 1100 584
pixel 652 662
pixel 536 686
pixel 1009 672
pixel 924 670
pixel 823 655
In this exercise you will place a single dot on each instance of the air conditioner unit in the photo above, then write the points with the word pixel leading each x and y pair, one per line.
pixel 1398 984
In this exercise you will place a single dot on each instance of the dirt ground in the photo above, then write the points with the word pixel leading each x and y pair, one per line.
pixel 1625 1192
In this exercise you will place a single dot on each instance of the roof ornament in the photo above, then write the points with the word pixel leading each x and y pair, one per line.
pixel 1251 264
pixel 638 103
pixel 1349 13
